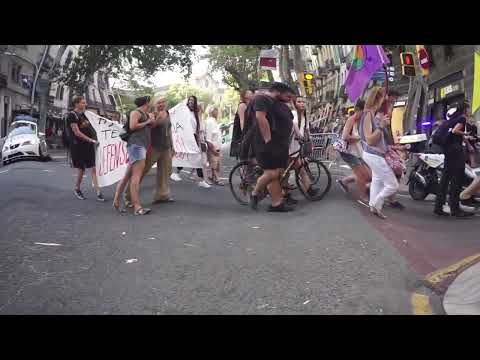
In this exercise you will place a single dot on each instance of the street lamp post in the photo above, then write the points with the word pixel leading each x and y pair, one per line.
pixel 37 73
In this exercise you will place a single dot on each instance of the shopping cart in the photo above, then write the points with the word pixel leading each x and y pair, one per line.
pixel 323 147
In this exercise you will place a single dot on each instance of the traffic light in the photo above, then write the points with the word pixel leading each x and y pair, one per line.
pixel 308 79
pixel 390 69
pixel 408 65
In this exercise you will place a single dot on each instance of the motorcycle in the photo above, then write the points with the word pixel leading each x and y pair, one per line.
pixel 424 179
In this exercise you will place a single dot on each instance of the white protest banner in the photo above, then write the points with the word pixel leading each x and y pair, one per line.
pixel 187 151
pixel 111 154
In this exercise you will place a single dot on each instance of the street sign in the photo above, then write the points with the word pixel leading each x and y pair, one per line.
pixel 268 59
pixel 424 59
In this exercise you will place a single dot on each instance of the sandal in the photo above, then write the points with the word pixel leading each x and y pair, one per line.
pixel 119 209
pixel 218 183
pixel 377 213
pixel 142 211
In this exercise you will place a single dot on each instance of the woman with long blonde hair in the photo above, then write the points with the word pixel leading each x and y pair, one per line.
pixel 384 183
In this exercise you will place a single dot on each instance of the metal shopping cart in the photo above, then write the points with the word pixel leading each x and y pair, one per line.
pixel 323 147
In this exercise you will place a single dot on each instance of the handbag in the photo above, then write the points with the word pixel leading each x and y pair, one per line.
pixel 395 162
pixel 340 145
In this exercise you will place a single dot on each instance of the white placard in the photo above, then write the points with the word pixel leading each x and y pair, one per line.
pixel 111 156
pixel 188 154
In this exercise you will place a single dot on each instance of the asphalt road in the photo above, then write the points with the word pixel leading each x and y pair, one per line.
pixel 205 254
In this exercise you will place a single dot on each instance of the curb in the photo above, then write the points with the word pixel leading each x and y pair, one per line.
pixel 435 285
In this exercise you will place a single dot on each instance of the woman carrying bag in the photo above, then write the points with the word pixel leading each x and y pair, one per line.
pixel 384 182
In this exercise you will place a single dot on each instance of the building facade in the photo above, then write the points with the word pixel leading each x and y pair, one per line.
pixel 450 80
pixel 18 64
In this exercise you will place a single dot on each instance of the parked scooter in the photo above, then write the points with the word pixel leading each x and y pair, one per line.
pixel 426 173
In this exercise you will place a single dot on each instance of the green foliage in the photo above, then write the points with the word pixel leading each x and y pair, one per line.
pixel 237 63
pixel 123 60
pixel 178 92
pixel 228 105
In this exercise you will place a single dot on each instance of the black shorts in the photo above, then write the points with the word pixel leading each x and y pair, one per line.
pixel 272 157
pixel 83 155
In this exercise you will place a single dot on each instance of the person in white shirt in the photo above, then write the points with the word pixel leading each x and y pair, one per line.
pixel 213 137
pixel 196 111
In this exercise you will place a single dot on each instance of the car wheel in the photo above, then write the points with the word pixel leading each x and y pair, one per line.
pixel 40 153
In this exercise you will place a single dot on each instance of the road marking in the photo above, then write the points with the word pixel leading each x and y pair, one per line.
pixel 48 244
pixel 421 304
pixel 439 275
pixel 3 172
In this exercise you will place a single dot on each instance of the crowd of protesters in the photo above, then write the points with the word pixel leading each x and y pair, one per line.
pixel 268 126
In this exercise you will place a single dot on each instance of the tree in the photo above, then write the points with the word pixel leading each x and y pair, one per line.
pixel 284 67
pixel 121 60
pixel 237 63
pixel 179 92
pixel 228 105
pixel 134 90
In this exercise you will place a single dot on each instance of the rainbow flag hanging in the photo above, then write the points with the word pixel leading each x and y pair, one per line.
pixel 476 84
pixel 367 59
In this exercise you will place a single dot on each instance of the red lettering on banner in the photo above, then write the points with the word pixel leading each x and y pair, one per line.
pixel 112 157
pixel 104 160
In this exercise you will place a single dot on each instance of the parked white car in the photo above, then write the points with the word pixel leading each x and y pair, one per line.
pixel 24 141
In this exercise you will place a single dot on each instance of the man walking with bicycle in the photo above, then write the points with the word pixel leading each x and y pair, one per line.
pixel 274 121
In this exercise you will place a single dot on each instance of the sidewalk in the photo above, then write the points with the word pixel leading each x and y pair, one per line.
pixel 463 295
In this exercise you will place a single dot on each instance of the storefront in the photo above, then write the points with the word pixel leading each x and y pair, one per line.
pixel 398 114
pixel 445 94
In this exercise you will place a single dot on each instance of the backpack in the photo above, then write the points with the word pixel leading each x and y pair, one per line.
pixel 441 135
pixel 68 135
pixel 126 132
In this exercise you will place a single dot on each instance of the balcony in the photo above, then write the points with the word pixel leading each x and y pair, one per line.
pixel 322 71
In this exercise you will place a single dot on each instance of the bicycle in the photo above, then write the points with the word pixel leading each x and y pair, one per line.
pixel 244 175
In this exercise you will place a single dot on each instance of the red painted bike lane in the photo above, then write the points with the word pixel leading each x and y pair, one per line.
pixel 428 242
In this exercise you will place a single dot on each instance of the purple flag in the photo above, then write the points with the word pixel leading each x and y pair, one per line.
pixel 366 61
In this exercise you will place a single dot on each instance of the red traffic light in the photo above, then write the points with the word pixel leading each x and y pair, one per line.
pixel 407 59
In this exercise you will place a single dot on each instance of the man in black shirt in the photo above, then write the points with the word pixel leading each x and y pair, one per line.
pixel 454 166
pixel 82 141
pixel 274 122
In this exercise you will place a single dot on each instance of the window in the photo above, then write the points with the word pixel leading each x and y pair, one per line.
pixel 61 92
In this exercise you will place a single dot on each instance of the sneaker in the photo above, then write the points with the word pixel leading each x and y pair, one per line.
pixel 397 205
pixel 342 185
pixel 100 197
pixel 79 194
pixel 175 177
pixel 280 208
pixel 462 214
pixel 254 201
pixel 204 184
pixel 440 212
pixel 470 203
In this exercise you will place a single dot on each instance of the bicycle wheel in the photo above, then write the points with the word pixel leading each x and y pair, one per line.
pixel 239 186
pixel 315 169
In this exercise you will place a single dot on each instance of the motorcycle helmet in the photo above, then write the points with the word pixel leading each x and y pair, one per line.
pixel 451 112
